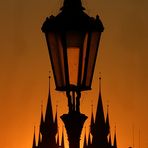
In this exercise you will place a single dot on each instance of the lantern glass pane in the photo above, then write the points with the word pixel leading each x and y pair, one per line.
pixel 94 42
pixel 57 59
pixel 73 57
pixel 75 43
pixel 82 59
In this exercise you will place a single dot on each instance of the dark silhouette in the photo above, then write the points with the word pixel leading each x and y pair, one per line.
pixel 73 28
pixel 48 128
pixel 100 128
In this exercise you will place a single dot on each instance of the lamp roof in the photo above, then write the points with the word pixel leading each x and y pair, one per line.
pixel 72 17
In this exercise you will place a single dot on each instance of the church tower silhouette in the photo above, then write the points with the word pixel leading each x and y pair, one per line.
pixel 100 128
pixel 48 127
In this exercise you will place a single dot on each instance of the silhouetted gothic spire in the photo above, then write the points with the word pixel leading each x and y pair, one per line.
pixel 99 135
pixel 39 140
pixel 34 140
pixel 92 123
pixel 100 120
pixel 107 123
pixel 89 142
pixel 42 120
pixel 85 141
pixel 48 127
pixel 56 121
pixel 58 140
pixel 115 140
pixel 62 142
pixel 49 113
pixel 110 141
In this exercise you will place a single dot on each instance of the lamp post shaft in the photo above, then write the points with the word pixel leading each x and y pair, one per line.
pixel 74 122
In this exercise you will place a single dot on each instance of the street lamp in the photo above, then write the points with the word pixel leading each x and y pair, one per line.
pixel 73 39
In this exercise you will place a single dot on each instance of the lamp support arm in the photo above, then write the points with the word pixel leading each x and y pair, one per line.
pixel 73 102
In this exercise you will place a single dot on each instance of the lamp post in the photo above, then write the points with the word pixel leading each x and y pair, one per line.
pixel 73 38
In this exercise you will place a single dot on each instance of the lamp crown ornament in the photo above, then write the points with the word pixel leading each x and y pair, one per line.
pixel 73 4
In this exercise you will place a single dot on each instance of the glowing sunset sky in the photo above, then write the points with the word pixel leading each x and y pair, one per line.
pixel 122 60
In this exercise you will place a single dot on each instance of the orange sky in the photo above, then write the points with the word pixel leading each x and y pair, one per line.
pixel 122 60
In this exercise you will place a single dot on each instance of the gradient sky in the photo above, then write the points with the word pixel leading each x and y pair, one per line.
pixel 25 66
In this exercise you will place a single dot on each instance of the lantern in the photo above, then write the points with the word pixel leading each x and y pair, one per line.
pixel 72 39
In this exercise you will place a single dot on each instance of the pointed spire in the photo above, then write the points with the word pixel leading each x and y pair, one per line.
pixel 56 120
pixel 100 86
pixel 49 113
pixel 100 120
pixel 62 142
pixel 107 123
pixel 110 141
pixel 115 139
pixel 34 140
pixel 89 141
pixel 58 140
pixel 99 138
pixel 92 122
pixel 39 140
pixel 49 132
pixel 42 119
pixel 85 141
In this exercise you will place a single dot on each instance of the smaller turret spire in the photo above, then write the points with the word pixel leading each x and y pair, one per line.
pixel 62 142
pixel 39 140
pixel 56 120
pixel 34 140
pixel 85 141
pixel 42 119
pixel 58 140
pixel 110 141
pixel 89 141
pixel 92 122
pixel 115 139
pixel 107 123
pixel 100 86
